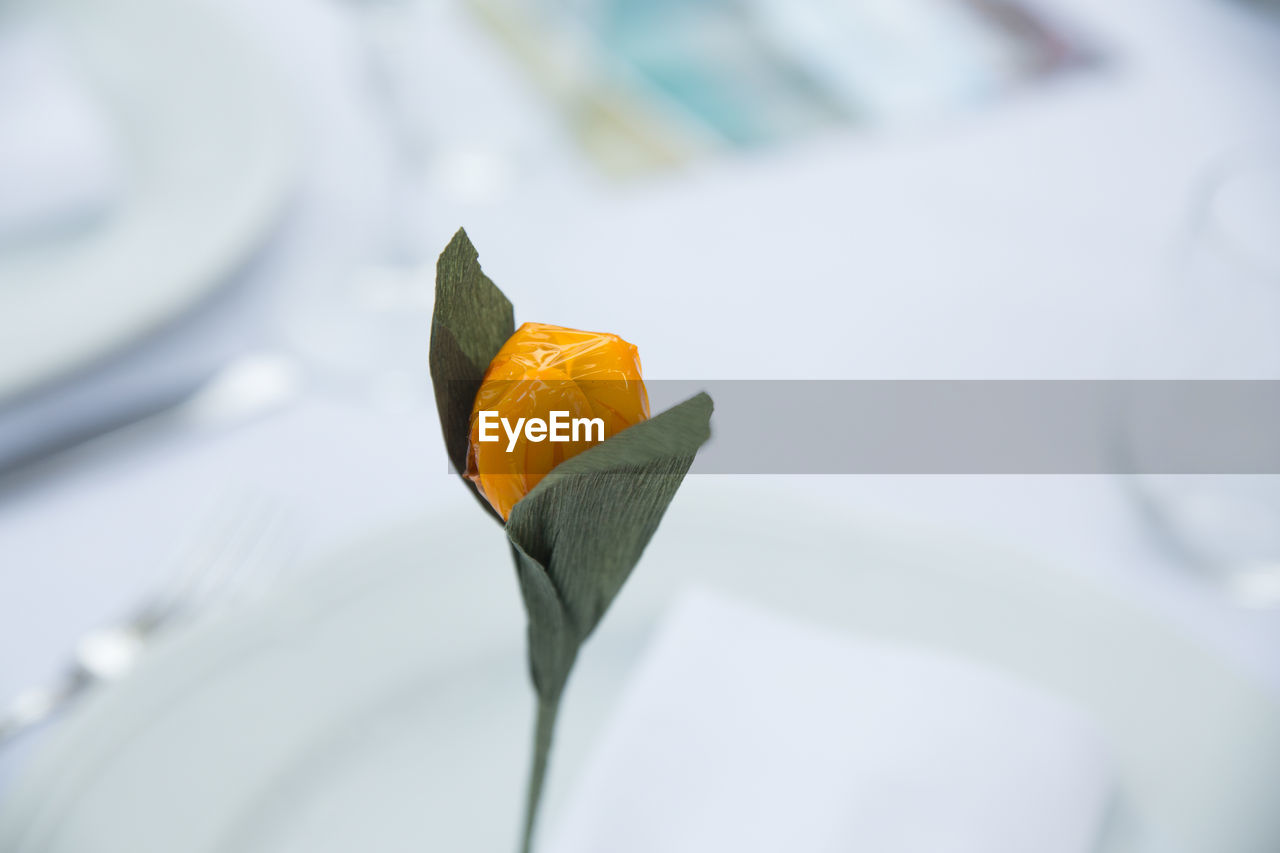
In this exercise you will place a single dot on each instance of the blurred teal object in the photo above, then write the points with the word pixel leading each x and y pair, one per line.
pixel 675 79
pixel 706 57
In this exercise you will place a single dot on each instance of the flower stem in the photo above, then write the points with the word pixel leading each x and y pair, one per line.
pixel 543 731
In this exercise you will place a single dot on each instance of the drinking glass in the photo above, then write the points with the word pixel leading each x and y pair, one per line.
pixel 1220 319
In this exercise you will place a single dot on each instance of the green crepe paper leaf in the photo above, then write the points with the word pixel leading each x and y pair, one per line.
pixel 590 518
pixel 553 641
pixel 576 538
pixel 471 322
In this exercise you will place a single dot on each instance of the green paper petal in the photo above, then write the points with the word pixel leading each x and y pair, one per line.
pixel 471 322
pixel 591 517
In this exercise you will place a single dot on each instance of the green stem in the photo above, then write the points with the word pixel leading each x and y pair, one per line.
pixel 543 731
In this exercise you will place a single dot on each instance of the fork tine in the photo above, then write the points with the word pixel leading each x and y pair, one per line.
pixel 193 559
pixel 244 552
pixel 257 555
pixel 224 554
pixel 216 559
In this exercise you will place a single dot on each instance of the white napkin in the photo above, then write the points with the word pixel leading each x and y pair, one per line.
pixel 742 731
pixel 58 160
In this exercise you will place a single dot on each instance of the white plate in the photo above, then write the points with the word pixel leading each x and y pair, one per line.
pixel 383 704
pixel 207 139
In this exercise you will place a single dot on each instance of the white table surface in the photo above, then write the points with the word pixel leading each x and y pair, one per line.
pixel 1023 241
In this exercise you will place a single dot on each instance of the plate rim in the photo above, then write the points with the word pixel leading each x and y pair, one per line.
pixel 945 550
pixel 243 230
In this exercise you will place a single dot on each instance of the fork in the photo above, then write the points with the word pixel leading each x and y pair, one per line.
pixel 233 558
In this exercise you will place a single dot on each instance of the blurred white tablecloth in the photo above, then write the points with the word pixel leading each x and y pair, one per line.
pixel 1021 241
pixel 852 746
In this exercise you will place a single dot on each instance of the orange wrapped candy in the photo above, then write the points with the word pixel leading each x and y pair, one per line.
pixel 549 394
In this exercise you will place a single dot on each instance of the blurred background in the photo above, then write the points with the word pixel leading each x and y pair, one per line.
pixel 218 230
